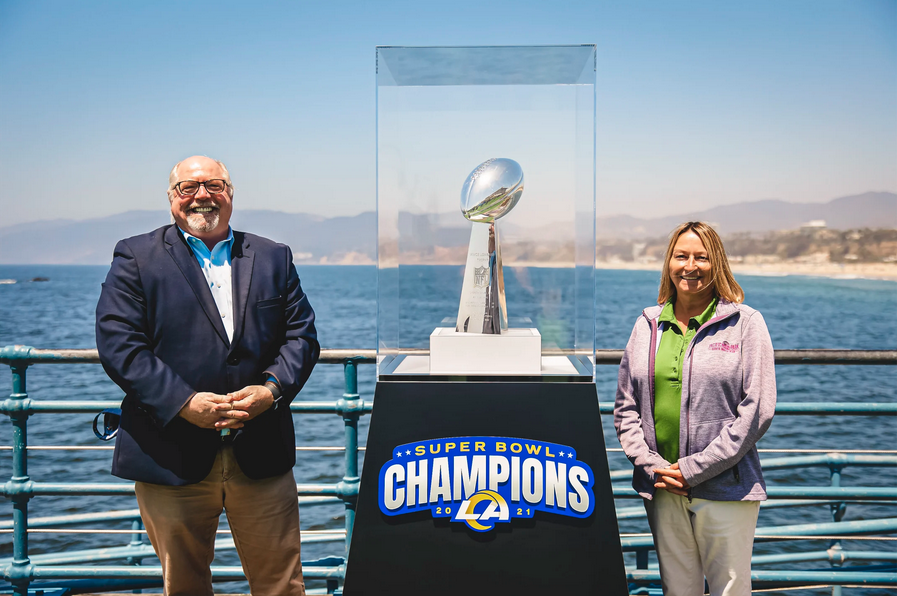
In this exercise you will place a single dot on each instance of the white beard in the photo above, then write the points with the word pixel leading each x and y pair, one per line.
pixel 203 222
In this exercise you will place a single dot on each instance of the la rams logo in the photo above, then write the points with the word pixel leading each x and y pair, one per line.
pixel 482 481
pixel 482 508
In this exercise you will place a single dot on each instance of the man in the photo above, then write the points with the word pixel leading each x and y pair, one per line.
pixel 210 336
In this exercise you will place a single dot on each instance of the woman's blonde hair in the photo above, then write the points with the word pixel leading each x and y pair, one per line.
pixel 721 279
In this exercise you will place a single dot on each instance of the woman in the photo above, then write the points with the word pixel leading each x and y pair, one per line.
pixel 696 390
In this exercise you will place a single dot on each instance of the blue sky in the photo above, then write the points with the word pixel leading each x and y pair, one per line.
pixel 699 103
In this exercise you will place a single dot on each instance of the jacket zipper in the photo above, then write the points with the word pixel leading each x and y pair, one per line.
pixel 689 353
pixel 652 353
pixel 735 472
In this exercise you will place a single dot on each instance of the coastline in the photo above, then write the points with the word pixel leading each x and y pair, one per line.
pixel 873 271
pixel 877 271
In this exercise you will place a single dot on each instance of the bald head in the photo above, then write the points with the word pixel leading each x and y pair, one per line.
pixel 198 161
pixel 203 214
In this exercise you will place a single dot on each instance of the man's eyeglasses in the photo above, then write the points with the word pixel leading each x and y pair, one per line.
pixel 191 187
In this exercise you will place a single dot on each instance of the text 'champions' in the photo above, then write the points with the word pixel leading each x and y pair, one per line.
pixel 481 481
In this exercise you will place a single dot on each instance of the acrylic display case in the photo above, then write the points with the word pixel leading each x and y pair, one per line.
pixel 442 111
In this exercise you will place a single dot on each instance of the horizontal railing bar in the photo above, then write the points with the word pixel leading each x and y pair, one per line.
pixel 133 514
pixel 32 406
pixel 835 577
pixel 774 537
pixel 120 488
pixel 847 409
pixel 339 355
pixel 28 355
pixel 337 533
pixel 853 527
pixel 828 460
pixel 114 572
pixel 316 572
pixel 145 551
pixel 630 542
pixel 62 447
pixel 337 448
pixel 770 537
pixel 815 356
pixel 854 493
pixel 778 504
pixel 833 555
pixel 879 451
pixel 141 551
pixel 111 447
pixel 639 511
pixel 817 460
pixel 844 530
pixel 830 493
pixel 808 578
pixel 126 515
pixel 58 406
pixel 330 407
pixel 813 408
pixel 78 518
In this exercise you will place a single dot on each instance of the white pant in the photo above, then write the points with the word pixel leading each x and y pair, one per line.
pixel 703 538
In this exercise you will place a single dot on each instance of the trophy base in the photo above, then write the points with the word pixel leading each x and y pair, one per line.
pixel 514 352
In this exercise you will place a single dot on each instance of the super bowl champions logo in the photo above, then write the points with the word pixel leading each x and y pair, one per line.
pixel 481 481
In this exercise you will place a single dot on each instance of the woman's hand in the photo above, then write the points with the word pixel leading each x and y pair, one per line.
pixel 671 479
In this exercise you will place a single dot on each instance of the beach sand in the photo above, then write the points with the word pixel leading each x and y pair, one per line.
pixel 886 271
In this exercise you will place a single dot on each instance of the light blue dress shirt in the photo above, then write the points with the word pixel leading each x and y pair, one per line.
pixel 215 266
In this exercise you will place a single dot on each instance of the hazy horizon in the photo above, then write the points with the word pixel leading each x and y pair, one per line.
pixel 164 211
pixel 699 104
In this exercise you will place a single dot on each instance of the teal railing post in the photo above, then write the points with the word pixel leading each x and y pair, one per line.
pixel 350 407
pixel 136 541
pixel 19 487
pixel 838 510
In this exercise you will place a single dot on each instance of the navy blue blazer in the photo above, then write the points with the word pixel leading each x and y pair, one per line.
pixel 160 338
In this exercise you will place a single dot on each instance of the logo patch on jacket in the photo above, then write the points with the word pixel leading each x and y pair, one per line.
pixel 724 346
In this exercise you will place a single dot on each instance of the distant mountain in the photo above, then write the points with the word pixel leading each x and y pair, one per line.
pixel 67 242
pixel 90 242
pixel 313 237
pixel 317 239
pixel 868 210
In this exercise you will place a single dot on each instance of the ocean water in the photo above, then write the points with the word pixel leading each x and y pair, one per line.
pixel 801 312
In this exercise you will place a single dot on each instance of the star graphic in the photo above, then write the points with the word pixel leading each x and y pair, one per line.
pixel 562 454
pixel 569 456
pixel 398 454
pixel 407 452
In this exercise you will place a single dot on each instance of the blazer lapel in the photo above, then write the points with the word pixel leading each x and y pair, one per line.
pixel 186 261
pixel 241 273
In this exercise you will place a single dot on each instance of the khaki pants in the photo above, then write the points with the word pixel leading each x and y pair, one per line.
pixel 263 515
pixel 700 538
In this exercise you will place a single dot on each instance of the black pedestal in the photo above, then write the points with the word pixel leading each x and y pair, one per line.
pixel 485 488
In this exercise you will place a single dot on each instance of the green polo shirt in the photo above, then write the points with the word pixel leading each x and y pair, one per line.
pixel 668 377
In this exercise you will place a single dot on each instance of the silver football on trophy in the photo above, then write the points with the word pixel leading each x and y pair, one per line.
pixel 492 190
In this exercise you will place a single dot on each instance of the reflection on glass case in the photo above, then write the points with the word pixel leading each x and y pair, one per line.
pixel 486 212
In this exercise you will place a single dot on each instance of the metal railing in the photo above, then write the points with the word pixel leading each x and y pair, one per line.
pixel 21 570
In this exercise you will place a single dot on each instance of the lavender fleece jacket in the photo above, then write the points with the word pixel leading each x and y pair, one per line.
pixel 728 401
